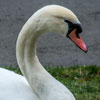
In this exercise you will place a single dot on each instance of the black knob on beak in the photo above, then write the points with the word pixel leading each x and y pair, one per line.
pixel 78 28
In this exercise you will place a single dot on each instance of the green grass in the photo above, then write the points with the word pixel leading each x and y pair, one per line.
pixel 83 81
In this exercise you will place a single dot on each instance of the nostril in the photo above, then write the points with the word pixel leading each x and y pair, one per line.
pixel 77 35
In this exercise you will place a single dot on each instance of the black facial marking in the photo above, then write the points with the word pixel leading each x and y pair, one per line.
pixel 72 26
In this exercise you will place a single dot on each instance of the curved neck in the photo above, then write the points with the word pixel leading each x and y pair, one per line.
pixel 27 58
pixel 26 49
pixel 26 52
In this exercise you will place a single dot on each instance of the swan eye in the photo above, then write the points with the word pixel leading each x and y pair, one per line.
pixel 70 24
pixel 66 21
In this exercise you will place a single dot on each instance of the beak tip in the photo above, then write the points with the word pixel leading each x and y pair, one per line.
pixel 86 50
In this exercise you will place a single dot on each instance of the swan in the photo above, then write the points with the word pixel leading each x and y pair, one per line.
pixel 37 83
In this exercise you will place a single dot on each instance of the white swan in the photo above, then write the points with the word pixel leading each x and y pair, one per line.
pixel 38 84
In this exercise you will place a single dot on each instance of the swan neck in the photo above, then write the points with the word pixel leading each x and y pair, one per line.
pixel 26 48
pixel 27 58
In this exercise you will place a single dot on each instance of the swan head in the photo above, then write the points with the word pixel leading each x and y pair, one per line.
pixel 55 18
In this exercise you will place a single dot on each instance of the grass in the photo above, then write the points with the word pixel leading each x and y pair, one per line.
pixel 83 81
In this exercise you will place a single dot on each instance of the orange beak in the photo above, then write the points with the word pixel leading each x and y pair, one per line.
pixel 78 40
